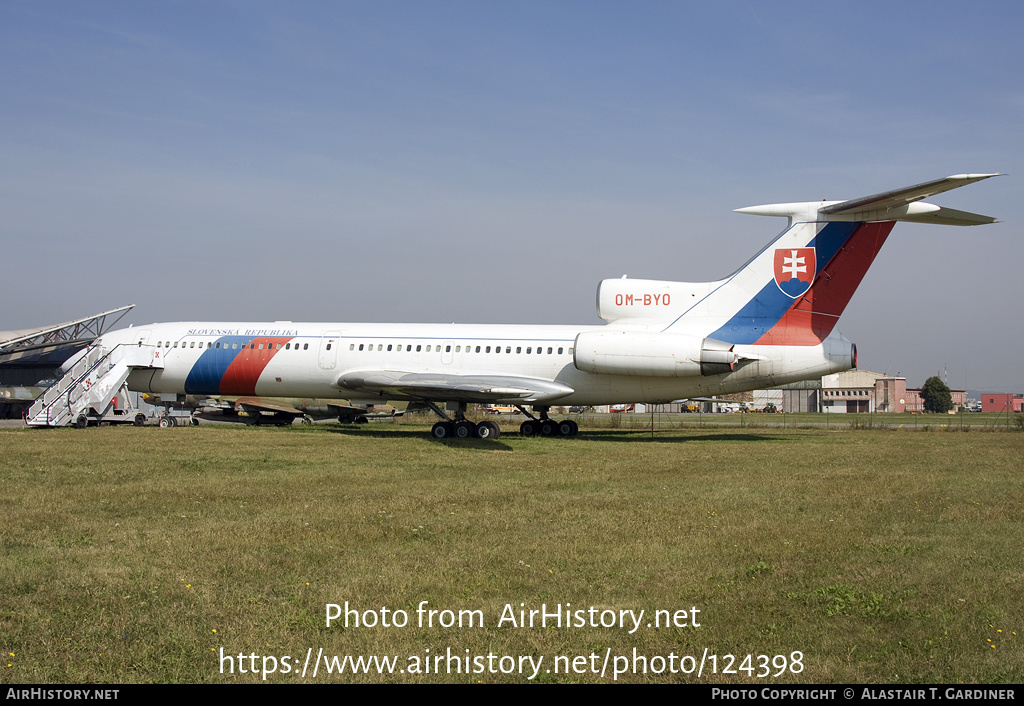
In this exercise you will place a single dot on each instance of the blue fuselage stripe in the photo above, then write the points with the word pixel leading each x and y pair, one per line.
pixel 205 376
pixel 768 306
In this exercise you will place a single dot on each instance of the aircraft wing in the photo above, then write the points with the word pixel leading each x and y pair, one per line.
pixel 396 384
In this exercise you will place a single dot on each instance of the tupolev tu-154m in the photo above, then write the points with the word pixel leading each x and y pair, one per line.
pixel 769 323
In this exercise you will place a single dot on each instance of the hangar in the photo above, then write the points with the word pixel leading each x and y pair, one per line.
pixel 865 391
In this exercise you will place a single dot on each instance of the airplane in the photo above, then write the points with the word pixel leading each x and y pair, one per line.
pixel 769 323
pixel 264 410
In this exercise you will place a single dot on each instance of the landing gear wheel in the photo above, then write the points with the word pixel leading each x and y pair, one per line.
pixel 487 430
pixel 306 421
pixel 362 420
pixel 548 427
pixel 166 422
pixel 529 428
pixel 465 429
pixel 441 430
pixel 567 427
pixel 82 422
pixel 193 421
pixel 140 419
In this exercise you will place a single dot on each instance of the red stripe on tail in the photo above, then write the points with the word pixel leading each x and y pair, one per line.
pixel 813 316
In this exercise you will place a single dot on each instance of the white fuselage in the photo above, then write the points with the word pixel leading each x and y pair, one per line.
pixel 285 359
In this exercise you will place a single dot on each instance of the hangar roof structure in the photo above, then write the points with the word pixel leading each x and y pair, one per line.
pixel 26 346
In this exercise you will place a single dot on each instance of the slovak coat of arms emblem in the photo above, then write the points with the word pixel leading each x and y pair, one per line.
pixel 794 270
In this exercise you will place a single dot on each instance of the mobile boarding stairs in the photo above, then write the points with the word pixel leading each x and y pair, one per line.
pixel 93 383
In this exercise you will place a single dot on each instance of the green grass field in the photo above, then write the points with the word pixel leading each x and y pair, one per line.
pixel 137 555
pixel 987 420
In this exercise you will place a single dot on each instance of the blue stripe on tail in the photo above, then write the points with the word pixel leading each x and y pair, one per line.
pixel 769 305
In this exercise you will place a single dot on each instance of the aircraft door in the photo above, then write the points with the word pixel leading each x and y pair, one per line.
pixel 141 353
pixel 328 355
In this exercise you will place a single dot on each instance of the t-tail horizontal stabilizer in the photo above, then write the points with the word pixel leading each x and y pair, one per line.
pixel 793 292
pixel 899 205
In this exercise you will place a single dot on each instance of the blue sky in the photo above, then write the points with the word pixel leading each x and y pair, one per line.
pixel 491 162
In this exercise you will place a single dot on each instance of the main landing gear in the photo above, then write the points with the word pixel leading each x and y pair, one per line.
pixel 460 427
pixel 465 429
pixel 544 426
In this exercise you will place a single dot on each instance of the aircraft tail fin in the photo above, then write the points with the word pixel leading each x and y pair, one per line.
pixel 794 290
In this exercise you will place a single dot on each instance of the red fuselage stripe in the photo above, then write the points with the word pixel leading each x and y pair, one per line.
pixel 814 314
pixel 241 376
